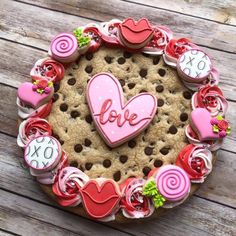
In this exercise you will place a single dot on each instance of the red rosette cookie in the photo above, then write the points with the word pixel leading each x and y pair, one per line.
pixel 211 98
pixel 68 185
pixel 133 203
pixel 32 128
pixel 175 48
pixel 48 69
pixel 196 161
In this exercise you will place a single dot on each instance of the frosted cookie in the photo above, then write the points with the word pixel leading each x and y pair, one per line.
pixel 121 120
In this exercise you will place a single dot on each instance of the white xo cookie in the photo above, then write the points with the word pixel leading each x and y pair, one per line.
pixel 43 153
pixel 194 66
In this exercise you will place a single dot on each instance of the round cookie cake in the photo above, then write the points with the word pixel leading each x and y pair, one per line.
pixel 121 120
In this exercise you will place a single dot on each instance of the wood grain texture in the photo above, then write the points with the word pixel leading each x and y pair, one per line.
pixel 219 11
pixel 26 28
pixel 201 31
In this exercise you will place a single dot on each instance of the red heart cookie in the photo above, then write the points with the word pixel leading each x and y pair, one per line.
pixel 135 34
pixel 100 199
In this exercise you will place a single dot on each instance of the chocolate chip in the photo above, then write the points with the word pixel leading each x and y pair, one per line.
pixel 159 88
pixel 143 72
pixel 164 151
pixel 89 56
pixel 127 54
pixel 160 102
pixel 78 148
pixel 106 163
pixel 117 175
pixel 131 85
pixel 75 114
pixel 156 60
pixel 61 141
pixel 89 69
pixel 121 60
pixel 88 165
pixel 161 72
pixel 87 142
pixel 55 97
pixel 173 129
pixel 122 82
pixel 146 170
pixel 158 163
pixel 187 95
pixel 56 136
pixel 108 59
pixel 148 151
pixel 63 107
pixel 143 91
pixel 74 163
pixel 56 87
pixel 71 81
pixel 131 143
pixel 123 158
pixel 183 117
pixel 89 119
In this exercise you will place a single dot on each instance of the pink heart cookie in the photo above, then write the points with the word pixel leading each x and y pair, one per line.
pixel 116 121
pixel 200 120
pixel 28 96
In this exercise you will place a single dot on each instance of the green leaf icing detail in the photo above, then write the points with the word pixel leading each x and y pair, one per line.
pixel 150 190
pixel 215 129
pixel 219 117
pixel 82 40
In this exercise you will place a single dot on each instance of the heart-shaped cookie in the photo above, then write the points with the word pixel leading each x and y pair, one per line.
pixel 100 199
pixel 116 121
pixel 30 97
pixel 200 120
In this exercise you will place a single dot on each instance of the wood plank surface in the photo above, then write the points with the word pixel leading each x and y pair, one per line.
pixel 214 10
pixel 26 28
pixel 201 31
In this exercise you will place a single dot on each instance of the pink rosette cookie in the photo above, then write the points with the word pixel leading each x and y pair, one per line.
pixel 175 48
pixel 64 48
pixel 173 184
pixel 32 128
pixel 133 203
pixel 211 98
pixel 48 69
pixel 50 177
pixel 196 161
pixel 109 31
pixel 193 138
pixel 67 187
pixel 161 37
pixel 93 31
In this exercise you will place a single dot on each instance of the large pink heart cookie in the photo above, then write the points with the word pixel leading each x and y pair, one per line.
pixel 116 121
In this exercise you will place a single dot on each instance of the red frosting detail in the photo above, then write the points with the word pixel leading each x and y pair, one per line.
pixel 45 111
pixel 195 168
pixel 100 201
pixel 203 100
pixel 49 70
pixel 96 38
pixel 176 47
pixel 136 33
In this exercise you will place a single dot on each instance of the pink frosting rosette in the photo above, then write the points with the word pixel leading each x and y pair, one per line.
pixel 196 161
pixel 161 37
pixel 175 48
pixel 32 128
pixel 67 187
pixel 133 203
pixel 211 98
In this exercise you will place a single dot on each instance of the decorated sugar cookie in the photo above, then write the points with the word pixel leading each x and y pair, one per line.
pixel 109 129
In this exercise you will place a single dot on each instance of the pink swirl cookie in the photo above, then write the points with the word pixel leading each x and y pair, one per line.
pixel 64 48
pixel 173 183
